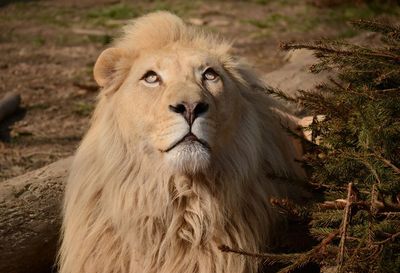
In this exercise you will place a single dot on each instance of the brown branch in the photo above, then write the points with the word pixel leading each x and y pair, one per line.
pixel 367 164
pixel 391 238
pixel 341 204
pixel 364 205
pixel 348 89
pixel 311 254
pixel 328 239
pixel 371 169
pixel 326 186
pixel 388 163
pixel 343 231
pixel 374 200
pixel 296 259
pixel 390 206
pixel 287 205
pixel 270 258
pixel 372 211
pixel 387 90
pixel 391 214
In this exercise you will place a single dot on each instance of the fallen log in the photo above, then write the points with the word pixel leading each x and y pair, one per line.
pixel 30 217
pixel 9 104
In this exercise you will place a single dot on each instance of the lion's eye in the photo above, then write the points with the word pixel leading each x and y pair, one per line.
pixel 210 75
pixel 151 77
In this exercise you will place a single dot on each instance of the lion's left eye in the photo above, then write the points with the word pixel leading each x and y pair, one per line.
pixel 151 77
pixel 210 75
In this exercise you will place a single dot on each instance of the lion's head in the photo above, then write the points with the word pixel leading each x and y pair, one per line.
pixel 178 93
pixel 177 102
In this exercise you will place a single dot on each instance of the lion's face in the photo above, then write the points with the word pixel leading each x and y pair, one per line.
pixel 178 104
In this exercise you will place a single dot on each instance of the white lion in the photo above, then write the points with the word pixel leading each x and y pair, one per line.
pixel 177 160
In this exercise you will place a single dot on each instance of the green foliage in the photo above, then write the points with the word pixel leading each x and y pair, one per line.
pixel 83 108
pixel 317 17
pixel 120 11
pixel 358 143
pixel 351 10
pixel 271 20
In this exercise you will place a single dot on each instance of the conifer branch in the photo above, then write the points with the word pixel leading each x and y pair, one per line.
pixel 296 260
pixel 360 139
pixel 342 52
pixel 280 94
pixel 288 206
pixel 376 27
pixel 313 254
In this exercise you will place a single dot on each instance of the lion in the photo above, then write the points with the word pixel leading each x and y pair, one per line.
pixel 178 158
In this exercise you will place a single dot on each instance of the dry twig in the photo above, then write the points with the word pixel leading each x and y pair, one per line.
pixel 343 231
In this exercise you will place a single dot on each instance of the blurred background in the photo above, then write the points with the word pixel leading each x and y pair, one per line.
pixel 48 49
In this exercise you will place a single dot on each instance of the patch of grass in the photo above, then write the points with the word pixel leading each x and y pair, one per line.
pixel 350 11
pixel 67 39
pixel 265 2
pixel 342 14
pixel 101 39
pixel 271 21
pixel 120 11
pixel 347 33
pixel 53 18
pixel 108 16
pixel 261 2
pixel 39 106
pixel 278 21
pixel 181 8
pixel 83 108
pixel 309 17
pixel 38 41
pixel 36 12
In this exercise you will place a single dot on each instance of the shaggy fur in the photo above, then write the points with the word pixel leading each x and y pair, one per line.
pixel 130 206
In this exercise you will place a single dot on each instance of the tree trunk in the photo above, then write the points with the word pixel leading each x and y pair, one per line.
pixel 30 218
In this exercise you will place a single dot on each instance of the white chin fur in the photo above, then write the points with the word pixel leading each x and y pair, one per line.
pixel 189 157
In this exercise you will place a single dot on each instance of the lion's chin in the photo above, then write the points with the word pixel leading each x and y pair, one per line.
pixel 189 157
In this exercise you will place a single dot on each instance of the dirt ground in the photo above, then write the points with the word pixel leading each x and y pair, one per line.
pixel 48 48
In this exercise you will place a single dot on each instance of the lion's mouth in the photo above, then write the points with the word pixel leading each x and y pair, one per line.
pixel 189 137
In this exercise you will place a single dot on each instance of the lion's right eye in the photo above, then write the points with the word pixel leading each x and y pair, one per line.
pixel 151 77
pixel 210 75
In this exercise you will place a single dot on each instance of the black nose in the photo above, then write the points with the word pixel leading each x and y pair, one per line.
pixel 190 111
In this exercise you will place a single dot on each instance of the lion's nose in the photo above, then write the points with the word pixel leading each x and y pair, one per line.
pixel 190 111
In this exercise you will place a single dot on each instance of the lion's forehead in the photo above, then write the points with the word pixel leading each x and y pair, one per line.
pixel 178 62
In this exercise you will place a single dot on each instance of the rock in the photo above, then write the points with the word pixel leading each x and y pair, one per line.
pixel 30 218
pixel 295 74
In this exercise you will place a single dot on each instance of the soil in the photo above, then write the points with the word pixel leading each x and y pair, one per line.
pixel 48 48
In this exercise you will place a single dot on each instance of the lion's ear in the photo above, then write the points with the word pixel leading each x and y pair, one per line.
pixel 107 65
